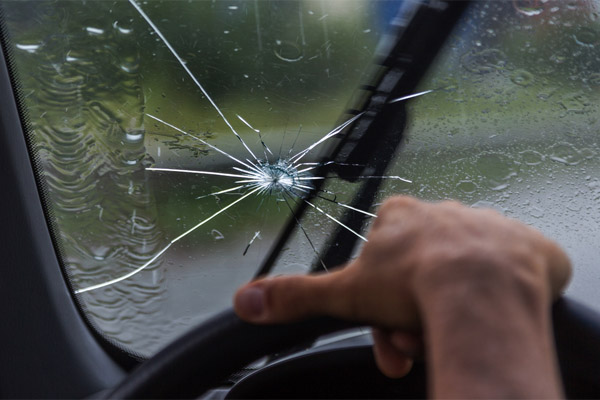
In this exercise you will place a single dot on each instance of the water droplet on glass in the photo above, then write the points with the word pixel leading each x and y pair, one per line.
pixel 522 77
pixel 500 187
pixel 575 102
pixel 123 27
pixel 217 235
pixel 565 153
pixel 94 31
pixel 134 136
pixel 529 8
pixel 497 168
pixel 30 48
pixel 536 212
pixel 484 61
pixel 288 51
pixel 594 79
pixel 484 204
pixel 586 37
pixel 532 157
pixel 558 58
pixel 130 64
pixel 466 186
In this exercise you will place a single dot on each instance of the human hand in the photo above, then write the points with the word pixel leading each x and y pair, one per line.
pixel 422 263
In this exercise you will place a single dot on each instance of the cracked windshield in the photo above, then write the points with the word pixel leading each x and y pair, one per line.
pixel 176 140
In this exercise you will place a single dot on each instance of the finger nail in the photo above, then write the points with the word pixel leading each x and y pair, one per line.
pixel 251 302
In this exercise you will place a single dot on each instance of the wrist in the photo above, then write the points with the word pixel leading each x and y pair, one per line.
pixel 487 333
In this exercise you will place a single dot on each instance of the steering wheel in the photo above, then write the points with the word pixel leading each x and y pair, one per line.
pixel 212 351
pixel 209 353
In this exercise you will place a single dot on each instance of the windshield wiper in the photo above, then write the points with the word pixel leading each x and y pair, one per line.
pixel 372 141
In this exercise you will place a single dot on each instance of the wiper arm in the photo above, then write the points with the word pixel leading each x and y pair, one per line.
pixel 375 137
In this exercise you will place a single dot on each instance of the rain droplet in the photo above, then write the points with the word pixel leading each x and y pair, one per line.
pixel 536 212
pixel 529 8
pixel 483 62
pixel 586 37
pixel 565 153
pixel 496 167
pixel 134 136
pixel 575 102
pixel 94 31
pixel 217 235
pixel 288 51
pixel 522 77
pixel 532 157
pixel 466 186
pixel 130 64
pixel 122 28
pixel 30 48
pixel 484 204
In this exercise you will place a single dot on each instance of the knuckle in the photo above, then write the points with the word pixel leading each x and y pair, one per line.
pixel 398 202
pixel 452 204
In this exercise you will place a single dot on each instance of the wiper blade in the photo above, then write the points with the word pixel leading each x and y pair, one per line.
pixel 368 148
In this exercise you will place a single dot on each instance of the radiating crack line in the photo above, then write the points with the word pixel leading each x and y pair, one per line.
pixel 305 233
pixel 189 171
pixel 263 176
pixel 333 219
pixel 132 273
pixel 220 192
pixel 294 159
pixel 250 166
pixel 126 276
pixel 247 123
pixel 313 178
pixel 410 96
pixel 183 64
pixel 348 206
pixel 215 214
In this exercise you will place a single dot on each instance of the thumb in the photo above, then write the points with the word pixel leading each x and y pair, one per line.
pixel 292 298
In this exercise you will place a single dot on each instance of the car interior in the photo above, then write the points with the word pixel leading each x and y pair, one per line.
pixel 140 140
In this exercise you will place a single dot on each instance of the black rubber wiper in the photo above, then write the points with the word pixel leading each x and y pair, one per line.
pixel 373 140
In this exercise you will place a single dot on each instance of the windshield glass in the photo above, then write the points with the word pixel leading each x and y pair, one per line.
pixel 174 139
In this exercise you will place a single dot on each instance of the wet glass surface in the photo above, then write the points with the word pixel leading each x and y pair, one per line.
pixel 107 99
pixel 515 124
pixel 512 123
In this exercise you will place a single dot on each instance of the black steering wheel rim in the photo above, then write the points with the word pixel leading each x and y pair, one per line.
pixel 212 351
